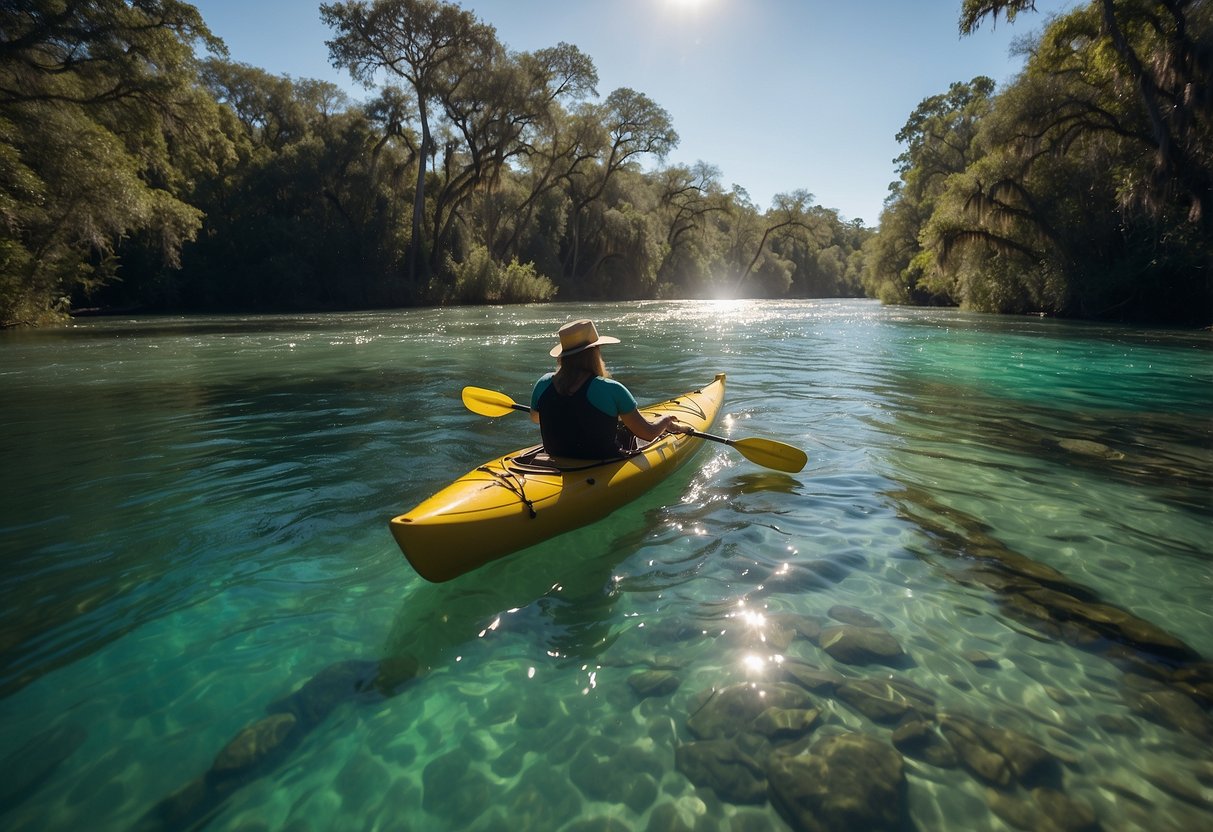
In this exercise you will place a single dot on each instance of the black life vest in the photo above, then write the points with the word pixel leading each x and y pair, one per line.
pixel 572 426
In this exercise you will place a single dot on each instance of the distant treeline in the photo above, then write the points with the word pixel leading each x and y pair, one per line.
pixel 137 175
pixel 140 169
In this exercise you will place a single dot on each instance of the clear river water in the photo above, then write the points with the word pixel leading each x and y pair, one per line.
pixel 993 579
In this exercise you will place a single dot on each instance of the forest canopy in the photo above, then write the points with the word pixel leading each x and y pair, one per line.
pixel 1084 188
pixel 140 168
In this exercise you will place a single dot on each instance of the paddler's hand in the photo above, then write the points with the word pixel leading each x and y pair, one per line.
pixel 674 426
pixel 647 431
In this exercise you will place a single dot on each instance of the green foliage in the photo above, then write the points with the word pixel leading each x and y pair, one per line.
pixel 1085 188
pixel 134 176
pixel 100 128
pixel 434 47
pixel 942 141
pixel 478 280
pixel 973 11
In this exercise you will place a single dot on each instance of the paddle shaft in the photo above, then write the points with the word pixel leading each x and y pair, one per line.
pixel 713 437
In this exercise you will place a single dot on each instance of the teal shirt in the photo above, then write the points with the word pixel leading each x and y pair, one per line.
pixel 606 394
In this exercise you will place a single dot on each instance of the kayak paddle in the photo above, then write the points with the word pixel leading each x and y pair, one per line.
pixel 765 452
pixel 489 402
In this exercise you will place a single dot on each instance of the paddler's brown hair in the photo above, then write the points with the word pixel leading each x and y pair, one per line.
pixel 574 368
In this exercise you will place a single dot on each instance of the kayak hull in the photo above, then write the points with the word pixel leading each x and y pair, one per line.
pixel 525 497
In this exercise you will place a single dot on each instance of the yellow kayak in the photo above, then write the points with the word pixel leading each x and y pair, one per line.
pixel 525 497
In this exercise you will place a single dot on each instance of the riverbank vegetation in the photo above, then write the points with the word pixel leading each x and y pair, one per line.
pixel 145 170
pixel 1084 188
pixel 142 169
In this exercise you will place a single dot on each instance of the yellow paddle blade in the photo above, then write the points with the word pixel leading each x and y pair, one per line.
pixel 771 454
pixel 489 402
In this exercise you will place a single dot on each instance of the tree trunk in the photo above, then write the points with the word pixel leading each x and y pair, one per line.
pixel 1173 160
pixel 419 192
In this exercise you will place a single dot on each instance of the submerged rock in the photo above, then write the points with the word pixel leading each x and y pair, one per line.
pixel 534 804
pixel 778 635
pixel 1115 724
pixel 887 700
pixel 455 790
pixel 832 571
pixel 919 739
pixel 536 713
pixel 977 658
pixel 1113 621
pixel 1085 447
pixel 1196 679
pixel 604 770
pixel 780 724
pixel 846 782
pixel 815 679
pixel 995 579
pixel 672 631
pixel 724 767
pixel 654 683
pixel 999 756
pixel 861 645
pixel 977 758
pixel 666 817
pixel 1171 709
pixel 732 710
pixel 854 616
pixel 256 748
pixel 1042 810
pixel 1063 811
pixel 1203 772
pixel 254 744
pixel 340 682
pixel 803 626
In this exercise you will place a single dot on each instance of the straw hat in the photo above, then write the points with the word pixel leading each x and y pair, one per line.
pixel 576 336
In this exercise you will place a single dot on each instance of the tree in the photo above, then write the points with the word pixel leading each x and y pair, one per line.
pixel 1080 208
pixel 941 139
pixel 101 129
pixel 304 214
pixel 567 144
pixel 1165 53
pixel 550 144
pixel 432 45
pixel 634 126
pixel 689 197
pixel 788 215
pixel 266 105
pixel 503 107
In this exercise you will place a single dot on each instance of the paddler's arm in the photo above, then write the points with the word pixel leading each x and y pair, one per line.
pixel 646 430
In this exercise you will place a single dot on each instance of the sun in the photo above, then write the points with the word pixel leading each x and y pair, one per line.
pixel 685 10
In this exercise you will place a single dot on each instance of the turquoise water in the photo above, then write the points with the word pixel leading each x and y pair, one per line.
pixel 193 529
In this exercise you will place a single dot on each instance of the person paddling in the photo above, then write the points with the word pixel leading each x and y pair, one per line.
pixel 579 407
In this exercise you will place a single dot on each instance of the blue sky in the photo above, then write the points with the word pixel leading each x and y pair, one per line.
pixel 780 95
